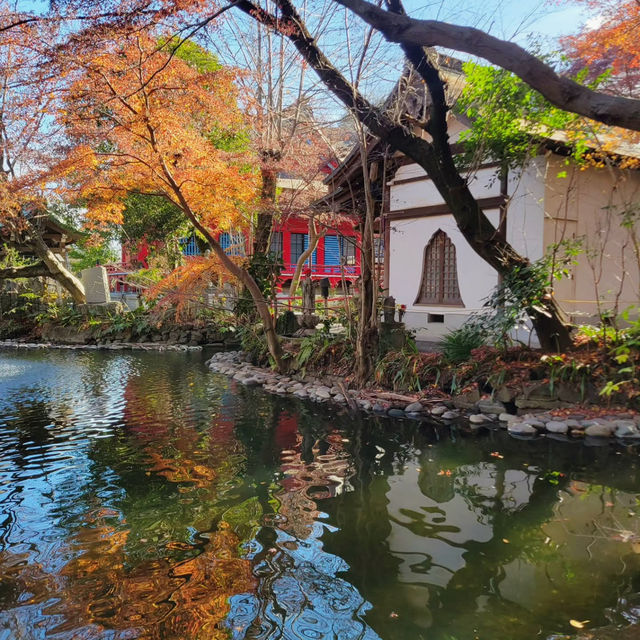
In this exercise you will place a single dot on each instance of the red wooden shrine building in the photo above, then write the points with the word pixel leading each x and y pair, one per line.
pixel 337 256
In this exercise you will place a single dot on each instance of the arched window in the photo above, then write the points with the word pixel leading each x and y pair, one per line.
pixel 439 284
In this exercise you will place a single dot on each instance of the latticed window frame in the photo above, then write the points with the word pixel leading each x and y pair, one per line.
pixel 439 281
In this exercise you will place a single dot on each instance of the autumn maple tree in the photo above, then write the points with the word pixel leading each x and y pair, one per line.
pixel 141 121
pixel 608 44
pixel 29 91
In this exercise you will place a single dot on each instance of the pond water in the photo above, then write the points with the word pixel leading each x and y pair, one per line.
pixel 143 497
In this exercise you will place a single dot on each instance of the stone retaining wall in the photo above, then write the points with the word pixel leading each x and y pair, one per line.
pixel 476 413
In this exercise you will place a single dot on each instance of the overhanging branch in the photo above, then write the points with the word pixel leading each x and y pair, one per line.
pixel 558 90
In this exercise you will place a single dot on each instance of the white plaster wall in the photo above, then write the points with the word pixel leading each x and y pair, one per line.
pixel 483 184
pixel 525 216
pixel 408 239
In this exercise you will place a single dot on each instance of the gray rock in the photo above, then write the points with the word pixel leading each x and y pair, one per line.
pixel 323 393
pixel 534 422
pixel 599 430
pixel 396 413
pixel 439 410
pixel 627 430
pixel 466 400
pixel 521 429
pixel 415 415
pixel 491 406
pixel 570 393
pixel 450 415
pixel 414 407
pixel 339 398
pixel 557 426
pixel 508 417
pixel 477 418
pixel 378 408
pixel 505 394
pixel 365 405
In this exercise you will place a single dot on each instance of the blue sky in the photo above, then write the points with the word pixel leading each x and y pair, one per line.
pixel 504 18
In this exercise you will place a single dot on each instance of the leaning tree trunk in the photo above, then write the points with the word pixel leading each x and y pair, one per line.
pixel 57 270
pixel 268 322
pixel 547 319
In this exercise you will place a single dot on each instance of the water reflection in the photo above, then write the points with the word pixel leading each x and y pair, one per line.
pixel 142 497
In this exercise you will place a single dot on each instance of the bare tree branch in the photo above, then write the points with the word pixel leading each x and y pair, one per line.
pixel 560 91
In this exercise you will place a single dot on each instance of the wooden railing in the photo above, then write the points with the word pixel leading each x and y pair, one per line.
pixel 348 270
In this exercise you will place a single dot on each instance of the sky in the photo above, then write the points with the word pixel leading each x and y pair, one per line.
pixel 502 17
pixel 510 19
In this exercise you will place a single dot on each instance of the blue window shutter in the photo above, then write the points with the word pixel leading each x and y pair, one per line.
pixel 314 258
pixel 190 246
pixel 331 250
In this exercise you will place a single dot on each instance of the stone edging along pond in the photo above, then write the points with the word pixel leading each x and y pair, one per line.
pixel 623 427
pixel 114 346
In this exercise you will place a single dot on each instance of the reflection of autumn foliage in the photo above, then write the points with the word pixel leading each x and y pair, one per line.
pixel 155 600
pixel 183 470
pixel 306 483
pixel 175 448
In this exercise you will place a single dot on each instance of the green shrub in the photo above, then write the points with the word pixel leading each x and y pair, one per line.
pixel 254 343
pixel 286 324
pixel 459 343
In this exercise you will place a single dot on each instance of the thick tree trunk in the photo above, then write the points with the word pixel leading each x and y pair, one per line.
pixel 489 242
pixel 553 332
pixel 268 195
pixel 57 269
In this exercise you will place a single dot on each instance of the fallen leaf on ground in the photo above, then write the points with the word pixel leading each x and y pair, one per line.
pixel 577 624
